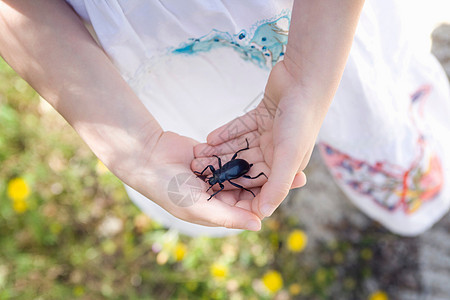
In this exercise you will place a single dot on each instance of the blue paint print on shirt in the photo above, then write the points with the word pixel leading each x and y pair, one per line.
pixel 265 46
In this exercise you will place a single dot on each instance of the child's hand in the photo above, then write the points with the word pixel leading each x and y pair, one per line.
pixel 170 160
pixel 282 131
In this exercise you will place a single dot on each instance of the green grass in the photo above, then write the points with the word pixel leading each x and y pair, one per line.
pixel 55 249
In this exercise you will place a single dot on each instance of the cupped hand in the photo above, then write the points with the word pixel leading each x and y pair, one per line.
pixel 282 131
pixel 169 161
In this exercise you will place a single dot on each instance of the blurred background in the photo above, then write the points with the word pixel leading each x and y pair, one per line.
pixel 69 231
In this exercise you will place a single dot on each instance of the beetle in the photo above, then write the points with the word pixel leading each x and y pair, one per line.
pixel 233 169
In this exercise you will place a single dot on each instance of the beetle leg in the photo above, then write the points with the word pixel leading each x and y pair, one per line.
pixel 208 166
pixel 221 188
pixel 262 173
pixel 246 148
pixel 241 187
pixel 220 161
pixel 210 187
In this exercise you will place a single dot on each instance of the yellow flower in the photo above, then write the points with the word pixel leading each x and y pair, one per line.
pixel 20 206
pixel 18 189
pixel 366 254
pixel 78 291
pixel 295 289
pixel 272 281
pixel 378 295
pixel 297 240
pixel 101 168
pixel 179 251
pixel 219 270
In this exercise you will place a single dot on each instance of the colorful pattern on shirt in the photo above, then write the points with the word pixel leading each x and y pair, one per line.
pixel 392 186
pixel 264 46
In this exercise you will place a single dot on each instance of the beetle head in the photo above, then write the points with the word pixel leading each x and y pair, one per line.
pixel 212 180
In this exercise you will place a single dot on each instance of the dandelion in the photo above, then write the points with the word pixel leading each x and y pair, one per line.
pixel 297 240
pixel 366 254
pixel 295 289
pixel 273 281
pixel 378 295
pixel 20 206
pixel 179 251
pixel 78 291
pixel 101 168
pixel 219 271
pixel 18 189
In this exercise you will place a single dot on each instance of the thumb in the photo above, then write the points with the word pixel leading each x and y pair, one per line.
pixel 284 169
pixel 299 180
pixel 217 213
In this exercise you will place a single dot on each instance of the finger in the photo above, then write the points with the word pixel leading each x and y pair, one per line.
pixel 299 180
pixel 284 169
pixel 234 197
pixel 228 147
pixel 241 198
pixel 245 196
pixel 231 194
pixel 300 177
pixel 238 198
pixel 230 197
pixel 233 129
pixel 187 200
pixel 245 203
pixel 305 160
pixel 217 213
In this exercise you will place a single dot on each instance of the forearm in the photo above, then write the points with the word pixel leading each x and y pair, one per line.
pixel 320 37
pixel 47 44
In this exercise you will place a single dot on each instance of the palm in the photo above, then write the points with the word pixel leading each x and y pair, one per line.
pixel 170 160
pixel 280 139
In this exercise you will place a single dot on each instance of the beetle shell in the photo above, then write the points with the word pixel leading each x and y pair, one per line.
pixel 233 169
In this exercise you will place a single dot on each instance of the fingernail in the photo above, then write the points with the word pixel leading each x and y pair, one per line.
pixel 253 225
pixel 267 210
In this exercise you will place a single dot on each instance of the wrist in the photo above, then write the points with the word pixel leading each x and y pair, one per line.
pixel 285 84
pixel 122 148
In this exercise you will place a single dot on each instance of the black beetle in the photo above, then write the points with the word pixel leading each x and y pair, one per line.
pixel 233 169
